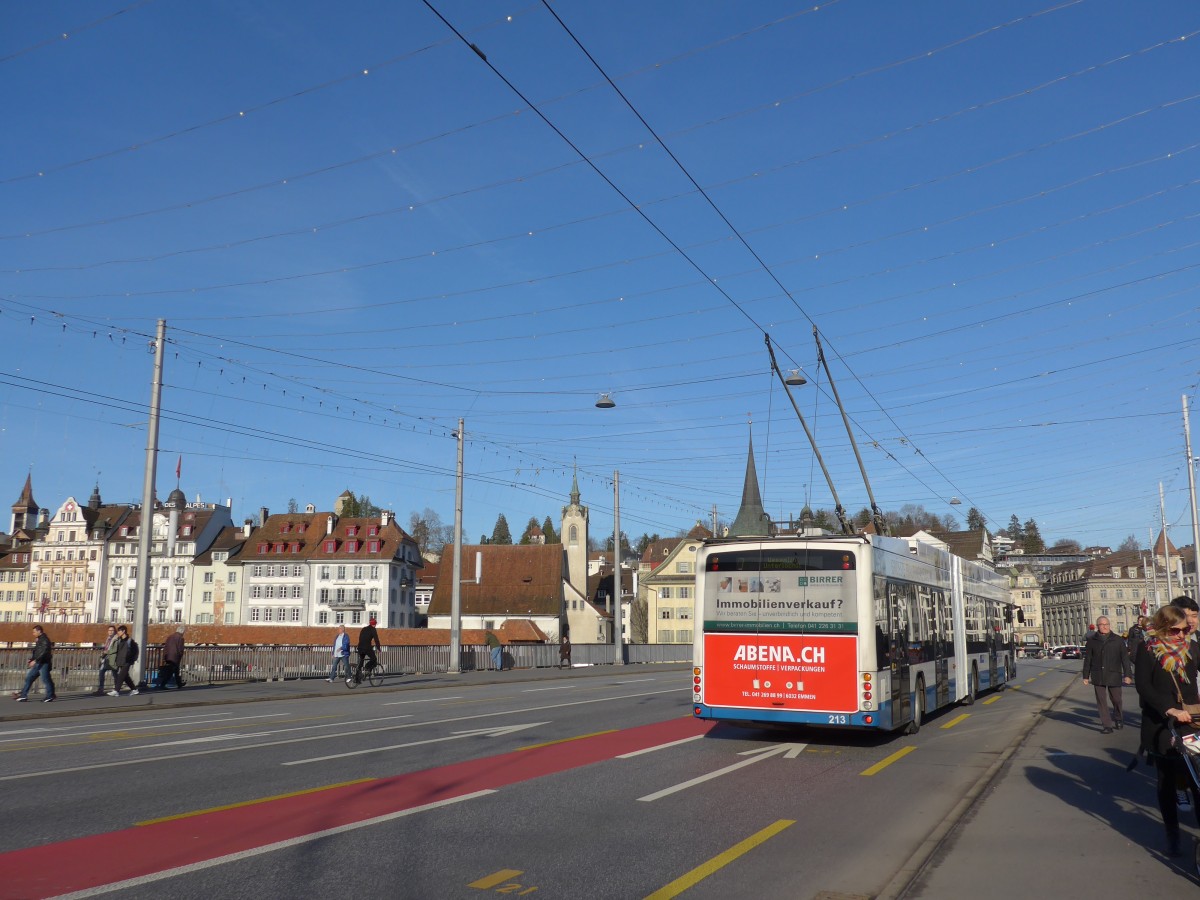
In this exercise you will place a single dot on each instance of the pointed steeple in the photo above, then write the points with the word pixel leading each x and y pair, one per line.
pixel 94 500
pixel 25 510
pixel 751 519
pixel 575 487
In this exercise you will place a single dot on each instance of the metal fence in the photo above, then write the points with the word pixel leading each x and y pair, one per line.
pixel 76 668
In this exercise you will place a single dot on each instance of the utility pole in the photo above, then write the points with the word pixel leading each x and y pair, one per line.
pixel 141 614
pixel 1162 518
pixel 454 667
pixel 1187 442
pixel 618 646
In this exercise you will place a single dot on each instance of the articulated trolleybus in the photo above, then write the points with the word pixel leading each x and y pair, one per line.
pixel 857 631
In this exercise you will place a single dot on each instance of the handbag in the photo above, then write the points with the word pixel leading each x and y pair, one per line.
pixel 1192 709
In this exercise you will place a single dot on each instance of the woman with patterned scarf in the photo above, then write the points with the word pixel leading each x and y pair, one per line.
pixel 1165 674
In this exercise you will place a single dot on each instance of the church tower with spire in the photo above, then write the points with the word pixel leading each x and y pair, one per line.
pixel 25 510
pixel 574 537
pixel 751 518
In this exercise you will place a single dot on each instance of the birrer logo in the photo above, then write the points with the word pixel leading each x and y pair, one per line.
pixel 812 580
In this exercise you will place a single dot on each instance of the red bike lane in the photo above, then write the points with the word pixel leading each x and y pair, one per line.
pixel 222 835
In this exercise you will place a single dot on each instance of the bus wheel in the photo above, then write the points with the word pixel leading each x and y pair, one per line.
pixel 918 715
pixel 972 686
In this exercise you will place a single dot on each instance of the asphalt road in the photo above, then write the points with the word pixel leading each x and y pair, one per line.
pixel 589 784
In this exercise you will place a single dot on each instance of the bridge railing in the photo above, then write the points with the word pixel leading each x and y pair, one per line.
pixel 76 668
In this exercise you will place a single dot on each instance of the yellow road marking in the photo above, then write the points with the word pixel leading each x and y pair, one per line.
pixel 1030 680
pixel 495 879
pixel 579 737
pixel 211 809
pixel 1014 687
pixel 702 871
pixel 884 763
pixel 956 720
pixel 992 699
pixel 1041 674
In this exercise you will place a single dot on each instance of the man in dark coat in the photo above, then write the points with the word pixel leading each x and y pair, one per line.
pixel 40 658
pixel 1106 667
pixel 172 657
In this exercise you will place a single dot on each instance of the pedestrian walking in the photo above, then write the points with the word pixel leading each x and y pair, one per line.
pixel 105 666
pixel 40 658
pixel 172 659
pixel 564 652
pixel 496 651
pixel 1137 634
pixel 1165 673
pixel 341 654
pixel 124 654
pixel 1106 668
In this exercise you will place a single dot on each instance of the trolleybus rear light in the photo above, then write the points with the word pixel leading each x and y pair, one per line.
pixel 868 720
pixel 868 705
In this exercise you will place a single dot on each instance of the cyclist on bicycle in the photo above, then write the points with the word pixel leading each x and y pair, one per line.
pixel 368 643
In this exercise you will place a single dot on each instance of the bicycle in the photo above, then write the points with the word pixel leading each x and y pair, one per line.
pixel 374 674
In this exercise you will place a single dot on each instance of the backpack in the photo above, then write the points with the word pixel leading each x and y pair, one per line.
pixel 132 654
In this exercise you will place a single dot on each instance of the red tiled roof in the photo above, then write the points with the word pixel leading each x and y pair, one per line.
pixel 516 580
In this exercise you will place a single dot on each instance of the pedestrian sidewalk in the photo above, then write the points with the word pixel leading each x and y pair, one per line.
pixel 1065 818
pixel 85 703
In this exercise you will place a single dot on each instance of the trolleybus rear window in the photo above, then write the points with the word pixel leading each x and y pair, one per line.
pixel 780 590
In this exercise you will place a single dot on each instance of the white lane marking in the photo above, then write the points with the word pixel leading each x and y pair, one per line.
pixel 93 730
pixel 322 737
pixel 340 724
pixel 560 687
pixel 635 681
pixel 788 751
pixel 430 700
pixel 498 731
pixel 685 740
pixel 214 737
pixel 94 724
pixel 268 848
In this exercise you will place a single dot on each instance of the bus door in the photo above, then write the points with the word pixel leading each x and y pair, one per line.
pixel 943 649
pixel 994 640
pixel 899 661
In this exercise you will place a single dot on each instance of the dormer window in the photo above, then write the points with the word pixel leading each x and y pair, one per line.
pixel 351 531
pixel 296 547
pixel 287 526
pixel 279 548
pixel 262 548
pixel 372 546
pixel 124 531
pixel 352 546
pixel 330 546
pixel 372 531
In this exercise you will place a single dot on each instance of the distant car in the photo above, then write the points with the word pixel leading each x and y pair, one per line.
pixel 1071 653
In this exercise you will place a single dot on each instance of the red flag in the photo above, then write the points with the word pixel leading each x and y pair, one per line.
pixel 178 466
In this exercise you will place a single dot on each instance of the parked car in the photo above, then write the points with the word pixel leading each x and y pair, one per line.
pixel 1070 652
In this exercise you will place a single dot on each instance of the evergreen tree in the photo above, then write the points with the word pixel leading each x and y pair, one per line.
pixel 626 550
pixel 645 541
pixel 1031 538
pixel 974 520
pixel 1014 528
pixel 862 518
pixel 501 534
pixel 549 532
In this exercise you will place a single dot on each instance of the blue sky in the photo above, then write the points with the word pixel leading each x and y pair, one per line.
pixel 358 231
